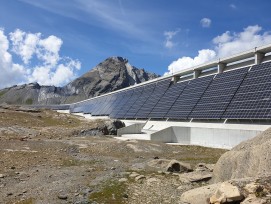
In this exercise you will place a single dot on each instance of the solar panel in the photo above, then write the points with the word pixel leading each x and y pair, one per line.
pixel 253 98
pixel 189 97
pixel 153 98
pixel 167 100
pixel 140 100
pixel 218 94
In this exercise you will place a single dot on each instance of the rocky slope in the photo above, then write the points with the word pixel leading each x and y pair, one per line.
pixel 112 74
pixel 50 157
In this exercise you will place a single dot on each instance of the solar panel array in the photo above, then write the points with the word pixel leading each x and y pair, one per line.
pixel 243 93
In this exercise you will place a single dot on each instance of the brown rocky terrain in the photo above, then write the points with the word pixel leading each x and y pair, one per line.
pixel 50 157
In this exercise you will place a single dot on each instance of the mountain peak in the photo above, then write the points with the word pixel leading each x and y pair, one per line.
pixel 112 74
pixel 118 58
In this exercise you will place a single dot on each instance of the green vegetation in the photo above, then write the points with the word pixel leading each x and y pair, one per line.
pixel 58 121
pixel 75 162
pixel 27 201
pixel 195 160
pixel 2 93
pixel 111 192
pixel 29 101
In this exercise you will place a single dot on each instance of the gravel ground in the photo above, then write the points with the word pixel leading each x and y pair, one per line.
pixel 44 160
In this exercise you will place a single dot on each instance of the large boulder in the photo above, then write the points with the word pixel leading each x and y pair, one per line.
pixel 199 195
pixel 226 193
pixel 103 127
pixel 250 158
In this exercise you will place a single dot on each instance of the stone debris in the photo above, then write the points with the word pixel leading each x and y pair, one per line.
pixel 226 193
pixel 205 167
pixel 195 177
pixel 140 177
pixel 62 196
pixel 123 180
pixel 133 175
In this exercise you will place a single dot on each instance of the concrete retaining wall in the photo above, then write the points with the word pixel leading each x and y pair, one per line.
pixel 131 129
pixel 208 137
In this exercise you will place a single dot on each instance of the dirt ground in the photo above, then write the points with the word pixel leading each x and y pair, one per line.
pixel 44 160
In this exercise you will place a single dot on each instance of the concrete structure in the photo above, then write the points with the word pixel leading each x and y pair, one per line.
pixel 135 128
pixel 217 135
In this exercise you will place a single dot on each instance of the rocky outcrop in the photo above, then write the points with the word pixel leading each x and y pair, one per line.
pixel 112 74
pixel 170 165
pixel 104 127
pixel 248 159
pixel 241 175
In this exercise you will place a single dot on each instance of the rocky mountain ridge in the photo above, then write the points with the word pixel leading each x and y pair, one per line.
pixel 112 74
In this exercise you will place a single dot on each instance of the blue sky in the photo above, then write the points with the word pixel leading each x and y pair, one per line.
pixel 54 41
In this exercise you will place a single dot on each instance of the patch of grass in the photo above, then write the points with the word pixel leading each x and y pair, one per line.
pixel 74 162
pixel 50 120
pixel 2 93
pixel 196 160
pixel 29 101
pixel 111 192
pixel 27 201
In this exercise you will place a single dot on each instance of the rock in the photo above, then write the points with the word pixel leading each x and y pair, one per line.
pixel 105 127
pixel 133 175
pixel 140 177
pixel 205 167
pixel 255 200
pixel 170 165
pixel 9 194
pixel 123 180
pixel 250 158
pixel 2 176
pixel 226 193
pixel 195 177
pixel 253 188
pixel 177 166
pixel 62 196
pixel 199 195
pixel 113 168
pixel 159 163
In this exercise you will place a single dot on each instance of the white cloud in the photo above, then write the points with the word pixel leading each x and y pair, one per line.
pixel 187 62
pixel 225 45
pixel 205 22
pixel 231 43
pixel 48 50
pixel 10 73
pixel 24 44
pixel 169 38
pixel 40 57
